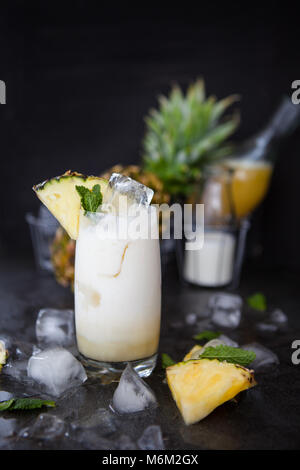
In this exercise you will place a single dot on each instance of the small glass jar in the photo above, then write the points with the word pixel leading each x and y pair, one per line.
pixel 218 262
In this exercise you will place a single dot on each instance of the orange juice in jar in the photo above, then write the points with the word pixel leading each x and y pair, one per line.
pixel 249 184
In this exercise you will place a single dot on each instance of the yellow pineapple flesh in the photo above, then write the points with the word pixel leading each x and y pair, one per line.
pixel 200 386
pixel 3 355
pixel 61 198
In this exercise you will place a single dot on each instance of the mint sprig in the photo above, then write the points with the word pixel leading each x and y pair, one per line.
pixel 257 301
pixel 166 361
pixel 228 354
pixel 90 199
pixel 25 404
pixel 207 335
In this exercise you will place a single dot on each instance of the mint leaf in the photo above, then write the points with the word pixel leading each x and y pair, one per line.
pixel 90 199
pixel 25 404
pixel 257 301
pixel 5 405
pixel 228 354
pixel 207 335
pixel 166 361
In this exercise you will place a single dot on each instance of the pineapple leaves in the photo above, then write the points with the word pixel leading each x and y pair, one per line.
pixel 185 134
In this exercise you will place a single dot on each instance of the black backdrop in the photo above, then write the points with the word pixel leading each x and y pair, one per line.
pixel 80 77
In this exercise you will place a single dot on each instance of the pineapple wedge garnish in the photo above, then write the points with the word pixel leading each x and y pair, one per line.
pixel 61 198
pixel 3 355
pixel 200 386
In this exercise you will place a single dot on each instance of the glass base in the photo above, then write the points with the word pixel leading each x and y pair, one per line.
pixel 113 370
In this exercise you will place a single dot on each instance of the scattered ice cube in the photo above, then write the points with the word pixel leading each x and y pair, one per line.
pixel 55 327
pixel 213 343
pixel 151 439
pixel 120 185
pixel 125 443
pixel 191 318
pixel 266 328
pixel 264 357
pixel 17 349
pixel 56 370
pixel 228 341
pixel 17 370
pixel 222 339
pixel 5 395
pixel 225 300
pixel 278 317
pixel 46 426
pixel 91 438
pixel 7 427
pixel 226 309
pixel 132 393
pixel 100 418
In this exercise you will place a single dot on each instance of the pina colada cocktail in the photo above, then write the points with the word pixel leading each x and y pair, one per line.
pixel 117 293
pixel 117 267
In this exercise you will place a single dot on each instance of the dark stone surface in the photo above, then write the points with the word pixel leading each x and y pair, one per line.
pixel 267 416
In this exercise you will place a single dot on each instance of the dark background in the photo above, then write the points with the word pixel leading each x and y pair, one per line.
pixel 80 78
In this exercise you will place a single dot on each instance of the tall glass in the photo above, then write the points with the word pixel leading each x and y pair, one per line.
pixel 117 294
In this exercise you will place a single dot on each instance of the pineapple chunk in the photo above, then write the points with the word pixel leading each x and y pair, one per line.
pixel 200 386
pixel 3 355
pixel 61 198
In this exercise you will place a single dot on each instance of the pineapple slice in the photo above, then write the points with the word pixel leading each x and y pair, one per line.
pixel 61 198
pixel 200 386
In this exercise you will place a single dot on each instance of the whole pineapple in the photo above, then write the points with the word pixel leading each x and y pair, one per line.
pixel 186 134
pixel 63 248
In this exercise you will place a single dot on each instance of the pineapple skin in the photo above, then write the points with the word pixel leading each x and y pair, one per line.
pixel 200 386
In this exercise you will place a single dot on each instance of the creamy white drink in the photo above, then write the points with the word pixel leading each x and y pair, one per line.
pixel 117 292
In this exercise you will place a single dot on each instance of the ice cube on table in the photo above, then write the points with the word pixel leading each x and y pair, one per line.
pixel 132 393
pixel 125 443
pixel 266 328
pixel 17 370
pixel 120 185
pixel 56 370
pixel 100 418
pixel 191 318
pixel 226 310
pixel 265 358
pixel 228 341
pixel 46 426
pixel 151 439
pixel 92 439
pixel 5 395
pixel 7 427
pixel 278 317
pixel 55 327
pixel 221 340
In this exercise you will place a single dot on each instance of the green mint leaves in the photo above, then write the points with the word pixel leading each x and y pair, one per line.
pixel 257 302
pixel 228 354
pixel 166 361
pixel 25 404
pixel 90 199
pixel 207 335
